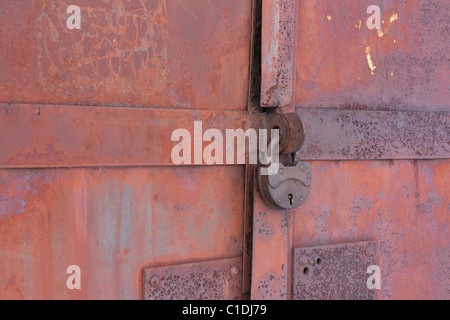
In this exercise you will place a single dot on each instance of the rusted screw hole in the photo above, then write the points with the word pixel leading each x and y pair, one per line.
pixel 370 251
pixel 319 261
pixel 235 270
pixel 306 271
pixel 303 260
pixel 154 281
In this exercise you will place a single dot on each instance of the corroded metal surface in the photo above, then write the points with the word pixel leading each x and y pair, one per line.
pixel 291 130
pixel 168 53
pixel 179 54
pixel 68 136
pixel 410 54
pixel 297 133
pixel 278 50
pixel 270 275
pixel 373 135
pixel 213 280
pixel 336 272
pixel 90 136
pixel 112 222
pixel 404 205
pixel 341 64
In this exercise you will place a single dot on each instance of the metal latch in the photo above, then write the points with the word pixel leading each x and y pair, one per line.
pixel 289 187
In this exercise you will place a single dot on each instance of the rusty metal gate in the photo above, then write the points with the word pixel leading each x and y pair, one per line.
pixel 86 176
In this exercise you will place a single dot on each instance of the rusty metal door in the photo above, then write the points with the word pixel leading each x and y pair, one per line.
pixel 86 177
pixel 375 105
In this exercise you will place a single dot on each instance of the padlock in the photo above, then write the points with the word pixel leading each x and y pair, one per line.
pixel 289 187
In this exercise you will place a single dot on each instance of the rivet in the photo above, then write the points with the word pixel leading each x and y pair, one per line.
pixel 370 251
pixel 234 270
pixel 303 260
pixel 154 281
pixel 281 171
pixel 309 175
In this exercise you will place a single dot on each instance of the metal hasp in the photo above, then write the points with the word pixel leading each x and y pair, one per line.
pixel 212 280
pixel 289 187
pixel 334 272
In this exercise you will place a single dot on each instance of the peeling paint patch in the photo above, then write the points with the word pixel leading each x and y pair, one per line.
pixel 370 62
pixel 380 33
pixel 394 17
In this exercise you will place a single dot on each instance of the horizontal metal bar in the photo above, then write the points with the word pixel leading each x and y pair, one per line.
pixel 373 135
pixel 34 136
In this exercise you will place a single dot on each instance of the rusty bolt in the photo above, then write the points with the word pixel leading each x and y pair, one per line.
pixel 303 260
pixel 370 251
pixel 154 281
pixel 234 270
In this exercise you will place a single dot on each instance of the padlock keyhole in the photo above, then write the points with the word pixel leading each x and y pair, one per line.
pixel 290 197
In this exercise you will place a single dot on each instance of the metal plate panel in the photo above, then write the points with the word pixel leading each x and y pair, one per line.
pixel 410 54
pixel 334 272
pixel 366 134
pixel 214 280
pixel 404 205
pixel 112 222
pixel 171 54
